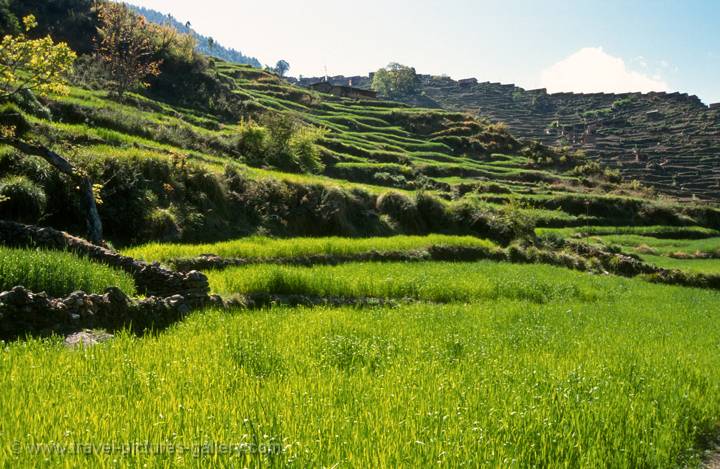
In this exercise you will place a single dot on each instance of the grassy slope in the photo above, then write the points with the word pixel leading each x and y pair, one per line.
pixel 501 382
pixel 372 146
pixel 690 249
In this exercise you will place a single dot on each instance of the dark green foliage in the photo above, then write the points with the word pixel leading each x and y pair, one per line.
pixel 26 199
pixel 503 225
pixel 282 141
pixel 9 23
pixel 190 83
pixel 395 80
pixel 71 21
pixel 11 116
pixel 402 210
pixel 432 212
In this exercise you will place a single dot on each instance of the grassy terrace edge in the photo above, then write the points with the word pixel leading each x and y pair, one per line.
pixel 259 247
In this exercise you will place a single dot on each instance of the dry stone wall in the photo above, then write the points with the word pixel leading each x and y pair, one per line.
pixel 170 295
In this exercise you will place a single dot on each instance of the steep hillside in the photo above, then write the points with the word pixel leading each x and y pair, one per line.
pixel 181 168
pixel 210 150
pixel 666 140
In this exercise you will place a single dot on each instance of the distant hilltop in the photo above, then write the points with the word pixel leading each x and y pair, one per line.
pixel 666 140
pixel 205 45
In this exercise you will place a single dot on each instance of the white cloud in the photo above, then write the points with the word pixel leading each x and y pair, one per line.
pixel 593 70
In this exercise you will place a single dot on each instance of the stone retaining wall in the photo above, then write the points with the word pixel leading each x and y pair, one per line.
pixel 26 313
pixel 150 279
pixel 170 295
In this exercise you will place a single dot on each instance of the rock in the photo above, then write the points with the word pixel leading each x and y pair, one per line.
pixel 87 338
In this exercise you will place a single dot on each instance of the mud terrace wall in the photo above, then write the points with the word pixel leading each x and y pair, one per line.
pixel 169 295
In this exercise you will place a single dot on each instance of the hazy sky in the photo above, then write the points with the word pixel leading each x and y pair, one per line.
pixel 563 45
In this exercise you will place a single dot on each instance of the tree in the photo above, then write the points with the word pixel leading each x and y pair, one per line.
pixel 37 65
pixel 127 48
pixel 395 80
pixel 282 67
pixel 71 21
pixel 8 21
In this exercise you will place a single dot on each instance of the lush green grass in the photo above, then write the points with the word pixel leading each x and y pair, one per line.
pixel 259 247
pixel 669 247
pixel 370 145
pixel 428 281
pixel 665 247
pixel 58 273
pixel 703 266
pixel 630 381
pixel 677 232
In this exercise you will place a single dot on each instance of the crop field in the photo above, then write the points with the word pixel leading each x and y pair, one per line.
pixel 469 282
pixel 484 363
pixel 58 273
pixel 690 249
pixel 519 366
pixel 259 247
pixel 336 281
pixel 368 146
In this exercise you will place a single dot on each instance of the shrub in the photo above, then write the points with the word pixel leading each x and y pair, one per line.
pixel 12 118
pixel 401 210
pixel 431 211
pixel 282 141
pixel 162 225
pixel 26 200
pixel 253 141
pixel 504 225
pixel 304 149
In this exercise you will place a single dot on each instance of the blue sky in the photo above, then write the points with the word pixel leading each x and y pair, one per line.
pixel 563 45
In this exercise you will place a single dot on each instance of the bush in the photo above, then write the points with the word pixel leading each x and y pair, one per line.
pixel 11 117
pixel 162 225
pixel 504 225
pixel 432 212
pixel 401 210
pixel 282 141
pixel 304 149
pixel 26 200
pixel 253 141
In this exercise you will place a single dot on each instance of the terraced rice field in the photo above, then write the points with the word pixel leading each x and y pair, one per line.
pixel 268 248
pixel 58 273
pixel 482 364
pixel 690 249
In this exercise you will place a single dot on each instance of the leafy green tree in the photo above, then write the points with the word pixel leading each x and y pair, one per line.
pixel 395 80
pixel 8 21
pixel 282 67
